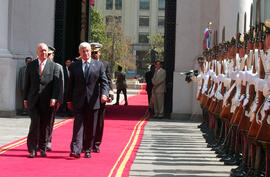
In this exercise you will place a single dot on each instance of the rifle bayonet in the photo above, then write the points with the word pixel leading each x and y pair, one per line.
pixel 245 22
pixel 223 34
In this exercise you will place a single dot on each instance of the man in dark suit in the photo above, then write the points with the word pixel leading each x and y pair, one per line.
pixel 41 91
pixel 21 83
pixel 121 85
pixel 148 79
pixel 96 52
pixel 64 110
pixel 88 87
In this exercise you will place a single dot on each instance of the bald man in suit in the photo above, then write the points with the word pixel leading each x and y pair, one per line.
pixel 41 91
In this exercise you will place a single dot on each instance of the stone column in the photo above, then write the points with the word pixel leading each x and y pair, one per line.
pixel 192 18
pixel 228 16
pixel 7 65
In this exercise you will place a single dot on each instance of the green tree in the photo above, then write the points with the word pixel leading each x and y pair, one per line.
pixel 157 43
pixel 97 27
pixel 118 46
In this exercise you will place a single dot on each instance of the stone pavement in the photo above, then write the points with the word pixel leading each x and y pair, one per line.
pixel 175 148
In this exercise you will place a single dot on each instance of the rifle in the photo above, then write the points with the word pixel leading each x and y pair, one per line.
pixel 254 128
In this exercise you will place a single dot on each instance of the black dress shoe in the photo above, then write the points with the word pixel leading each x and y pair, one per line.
pixel 238 173
pixel 96 150
pixel 32 154
pixel 48 149
pixel 74 155
pixel 87 155
pixel 43 153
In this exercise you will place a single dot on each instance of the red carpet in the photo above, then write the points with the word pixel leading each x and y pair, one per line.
pixel 122 136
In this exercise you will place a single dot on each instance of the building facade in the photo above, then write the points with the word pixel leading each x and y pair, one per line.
pixel 140 18
pixel 192 17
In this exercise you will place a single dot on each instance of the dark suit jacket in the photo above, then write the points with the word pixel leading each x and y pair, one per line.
pixel 121 81
pixel 44 87
pixel 148 78
pixel 108 73
pixel 66 80
pixel 92 86
pixel 61 84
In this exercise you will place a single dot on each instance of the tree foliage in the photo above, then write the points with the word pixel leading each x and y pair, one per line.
pixel 97 27
pixel 157 43
pixel 116 46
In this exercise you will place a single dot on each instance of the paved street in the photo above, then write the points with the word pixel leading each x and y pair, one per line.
pixel 175 148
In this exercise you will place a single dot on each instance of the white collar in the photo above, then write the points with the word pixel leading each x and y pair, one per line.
pixel 88 61
pixel 44 62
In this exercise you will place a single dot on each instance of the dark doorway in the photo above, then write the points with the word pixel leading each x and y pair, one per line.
pixel 67 29
pixel 169 52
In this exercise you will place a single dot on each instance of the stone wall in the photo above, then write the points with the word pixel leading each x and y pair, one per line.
pixel 24 24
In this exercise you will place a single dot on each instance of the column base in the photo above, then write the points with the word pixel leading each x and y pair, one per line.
pixel 5 114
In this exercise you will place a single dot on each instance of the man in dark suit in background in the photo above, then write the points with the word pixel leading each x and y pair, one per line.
pixel 88 87
pixel 41 91
pixel 121 85
pixel 21 83
pixel 60 97
pixel 148 79
pixel 96 52
pixel 64 110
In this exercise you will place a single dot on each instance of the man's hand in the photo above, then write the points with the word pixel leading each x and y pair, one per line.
pixel 57 106
pixel 52 102
pixel 155 85
pixel 111 96
pixel 109 100
pixel 69 106
pixel 103 98
pixel 25 104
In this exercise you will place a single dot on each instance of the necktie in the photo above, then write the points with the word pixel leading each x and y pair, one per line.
pixel 86 69
pixel 40 68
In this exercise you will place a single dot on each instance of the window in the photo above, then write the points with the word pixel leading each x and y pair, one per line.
pixel 161 4
pixel 118 4
pixel 161 21
pixel 108 19
pixel 144 5
pixel 118 19
pixel 143 38
pixel 109 4
pixel 144 21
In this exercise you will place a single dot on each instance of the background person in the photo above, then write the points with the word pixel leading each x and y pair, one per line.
pixel 96 52
pixel 121 85
pixel 21 83
pixel 158 80
pixel 59 99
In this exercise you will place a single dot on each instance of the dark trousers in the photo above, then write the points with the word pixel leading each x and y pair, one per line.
pixel 118 94
pixel 100 126
pixel 38 132
pixel 50 127
pixel 84 129
pixel 64 111
pixel 149 94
